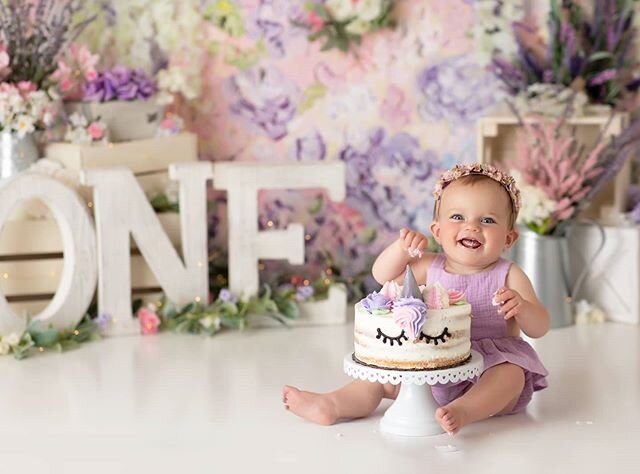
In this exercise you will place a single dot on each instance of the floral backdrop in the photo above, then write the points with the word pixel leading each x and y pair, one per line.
pixel 397 109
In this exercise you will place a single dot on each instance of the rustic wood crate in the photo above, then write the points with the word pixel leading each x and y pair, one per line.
pixel 31 250
pixel 497 139
pixel 31 260
pixel 147 159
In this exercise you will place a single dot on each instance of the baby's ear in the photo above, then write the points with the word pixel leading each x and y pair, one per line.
pixel 435 230
pixel 512 237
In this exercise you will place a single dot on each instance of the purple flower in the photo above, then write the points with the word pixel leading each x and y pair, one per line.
pixel 226 296
pixel 456 90
pixel 266 99
pixel 382 179
pixel 310 148
pixel 103 321
pixel 120 83
pixel 377 302
pixel 274 23
pixel 602 77
pixel 303 293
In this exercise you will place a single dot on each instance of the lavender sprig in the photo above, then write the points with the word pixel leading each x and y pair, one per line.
pixel 35 33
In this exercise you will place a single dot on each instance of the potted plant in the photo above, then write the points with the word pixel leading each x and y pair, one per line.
pixel 120 97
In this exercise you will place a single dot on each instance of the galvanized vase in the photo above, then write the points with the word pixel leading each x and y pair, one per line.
pixel 545 260
pixel 16 153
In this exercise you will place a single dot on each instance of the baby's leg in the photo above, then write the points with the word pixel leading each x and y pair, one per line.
pixel 496 393
pixel 355 400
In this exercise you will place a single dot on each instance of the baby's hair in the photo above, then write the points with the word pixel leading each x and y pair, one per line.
pixel 470 180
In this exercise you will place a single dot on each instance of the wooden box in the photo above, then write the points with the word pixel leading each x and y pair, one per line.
pixel 497 139
pixel 31 262
pixel 148 159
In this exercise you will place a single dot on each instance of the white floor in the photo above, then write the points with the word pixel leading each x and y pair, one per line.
pixel 188 404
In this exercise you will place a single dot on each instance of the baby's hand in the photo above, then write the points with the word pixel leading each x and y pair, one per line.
pixel 510 302
pixel 414 242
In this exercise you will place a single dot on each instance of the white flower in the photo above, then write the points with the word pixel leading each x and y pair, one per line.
pixel 209 321
pixel 341 10
pixel 586 313
pixel 78 120
pixel 12 339
pixel 357 27
pixel 536 205
pixel 368 10
pixel 24 125
pixel 5 348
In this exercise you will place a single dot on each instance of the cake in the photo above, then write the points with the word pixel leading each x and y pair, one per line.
pixel 412 328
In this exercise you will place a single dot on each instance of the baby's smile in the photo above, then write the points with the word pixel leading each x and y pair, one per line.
pixel 470 243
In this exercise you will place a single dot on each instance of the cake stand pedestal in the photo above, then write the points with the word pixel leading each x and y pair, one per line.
pixel 412 413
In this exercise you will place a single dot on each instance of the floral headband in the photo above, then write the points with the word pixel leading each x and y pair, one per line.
pixel 458 171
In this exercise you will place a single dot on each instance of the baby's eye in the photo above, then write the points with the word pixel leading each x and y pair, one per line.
pixel 456 217
pixel 488 220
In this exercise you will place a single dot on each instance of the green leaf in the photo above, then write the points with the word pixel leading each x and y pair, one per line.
pixel 289 309
pixel 316 205
pixel 599 55
pixel 45 338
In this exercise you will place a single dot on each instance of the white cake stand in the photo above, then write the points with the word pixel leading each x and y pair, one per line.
pixel 412 413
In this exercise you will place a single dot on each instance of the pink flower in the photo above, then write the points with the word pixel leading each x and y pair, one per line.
pixel 395 108
pixel 90 74
pixel 26 86
pixel 455 296
pixel 316 23
pixel 149 321
pixel 66 85
pixel 95 130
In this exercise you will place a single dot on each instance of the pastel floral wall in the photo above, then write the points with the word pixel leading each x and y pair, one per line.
pixel 398 109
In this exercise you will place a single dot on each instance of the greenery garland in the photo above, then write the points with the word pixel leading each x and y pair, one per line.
pixel 225 312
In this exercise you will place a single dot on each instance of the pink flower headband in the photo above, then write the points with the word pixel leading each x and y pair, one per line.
pixel 458 171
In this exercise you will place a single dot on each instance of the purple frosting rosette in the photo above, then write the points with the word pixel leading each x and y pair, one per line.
pixel 410 314
pixel 377 303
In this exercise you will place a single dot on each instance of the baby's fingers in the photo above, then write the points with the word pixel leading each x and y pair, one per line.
pixel 511 309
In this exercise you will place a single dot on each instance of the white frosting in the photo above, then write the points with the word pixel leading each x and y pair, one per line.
pixel 373 350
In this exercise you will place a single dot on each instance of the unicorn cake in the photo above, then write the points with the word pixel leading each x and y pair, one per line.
pixel 412 328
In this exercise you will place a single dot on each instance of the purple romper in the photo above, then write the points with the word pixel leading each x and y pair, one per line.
pixel 489 331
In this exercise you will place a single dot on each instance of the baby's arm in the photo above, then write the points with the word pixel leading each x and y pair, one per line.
pixel 518 300
pixel 407 249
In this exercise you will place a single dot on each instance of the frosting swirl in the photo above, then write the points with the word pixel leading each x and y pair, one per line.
pixel 455 296
pixel 436 296
pixel 391 289
pixel 410 314
pixel 377 303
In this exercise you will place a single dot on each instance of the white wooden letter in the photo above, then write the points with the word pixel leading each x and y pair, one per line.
pixel 121 208
pixel 78 279
pixel 246 244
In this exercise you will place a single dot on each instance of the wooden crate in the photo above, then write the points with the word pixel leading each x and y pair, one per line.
pixel 497 138
pixel 31 262
pixel 147 159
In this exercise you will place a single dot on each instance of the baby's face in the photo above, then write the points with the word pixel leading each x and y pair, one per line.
pixel 473 224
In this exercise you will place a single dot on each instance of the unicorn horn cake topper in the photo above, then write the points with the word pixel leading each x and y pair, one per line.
pixel 410 287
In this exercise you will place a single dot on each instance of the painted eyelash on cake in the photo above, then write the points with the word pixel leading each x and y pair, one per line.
pixel 435 339
pixel 397 339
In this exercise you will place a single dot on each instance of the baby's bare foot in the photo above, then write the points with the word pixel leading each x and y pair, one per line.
pixel 451 418
pixel 315 407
